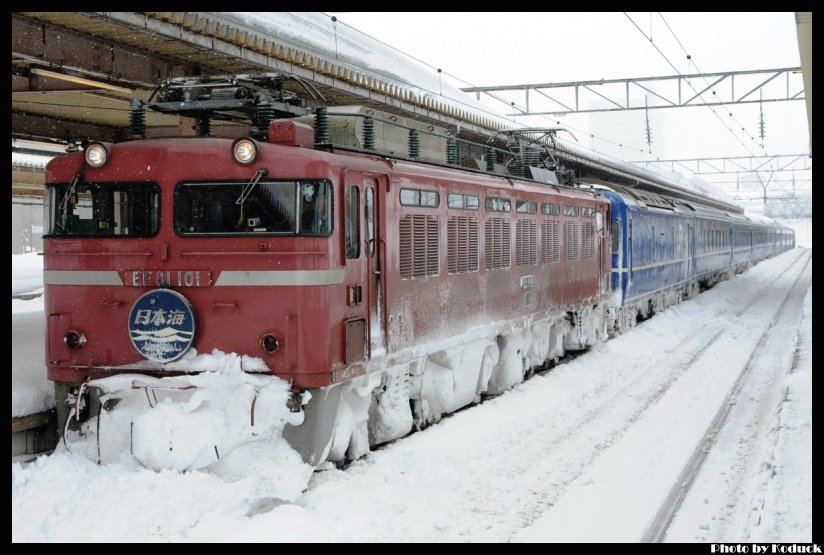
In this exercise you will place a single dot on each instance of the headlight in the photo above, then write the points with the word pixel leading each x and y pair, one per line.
pixel 269 343
pixel 74 339
pixel 96 155
pixel 245 151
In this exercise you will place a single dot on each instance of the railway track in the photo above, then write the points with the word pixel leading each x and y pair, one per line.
pixel 755 301
pixel 763 399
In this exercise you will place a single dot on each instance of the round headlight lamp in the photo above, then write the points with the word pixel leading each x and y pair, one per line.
pixel 96 155
pixel 269 343
pixel 74 339
pixel 244 150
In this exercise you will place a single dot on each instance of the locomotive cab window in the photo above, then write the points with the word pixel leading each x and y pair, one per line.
pixel 241 208
pixel 102 209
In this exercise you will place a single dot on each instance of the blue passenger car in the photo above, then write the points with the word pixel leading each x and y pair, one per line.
pixel 665 250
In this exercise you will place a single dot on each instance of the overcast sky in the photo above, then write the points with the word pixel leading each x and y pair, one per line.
pixel 515 48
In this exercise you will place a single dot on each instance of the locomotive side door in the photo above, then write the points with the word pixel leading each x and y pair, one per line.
pixel 355 317
pixel 374 190
pixel 364 330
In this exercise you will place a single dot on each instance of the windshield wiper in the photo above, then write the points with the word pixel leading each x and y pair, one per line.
pixel 64 203
pixel 248 188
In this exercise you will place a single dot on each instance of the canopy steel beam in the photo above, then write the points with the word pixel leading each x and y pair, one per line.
pixel 736 164
pixel 713 91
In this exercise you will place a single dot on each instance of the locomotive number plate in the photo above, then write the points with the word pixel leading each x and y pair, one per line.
pixel 167 278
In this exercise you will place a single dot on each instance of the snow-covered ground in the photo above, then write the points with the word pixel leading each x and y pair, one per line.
pixel 26 274
pixel 588 452
pixel 30 390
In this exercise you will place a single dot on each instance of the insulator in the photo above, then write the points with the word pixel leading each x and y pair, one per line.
pixel 264 114
pixel 519 165
pixel 137 118
pixel 491 157
pixel 571 178
pixel 368 133
pixel 414 144
pixel 453 155
pixel 322 135
pixel 532 157
pixel 204 126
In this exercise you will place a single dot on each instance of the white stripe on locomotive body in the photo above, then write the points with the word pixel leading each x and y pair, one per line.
pixel 81 277
pixel 280 277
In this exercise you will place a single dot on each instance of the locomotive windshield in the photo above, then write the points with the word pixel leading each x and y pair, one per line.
pixel 284 207
pixel 102 209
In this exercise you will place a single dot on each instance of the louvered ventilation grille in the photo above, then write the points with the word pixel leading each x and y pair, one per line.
pixel 550 241
pixel 588 240
pixel 571 240
pixel 526 243
pixel 419 242
pixel 462 235
pixel 498 237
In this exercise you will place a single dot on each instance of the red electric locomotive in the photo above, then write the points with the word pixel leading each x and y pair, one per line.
pixel 392 289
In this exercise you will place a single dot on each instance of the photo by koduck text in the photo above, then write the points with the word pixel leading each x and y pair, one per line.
pixel 765 548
